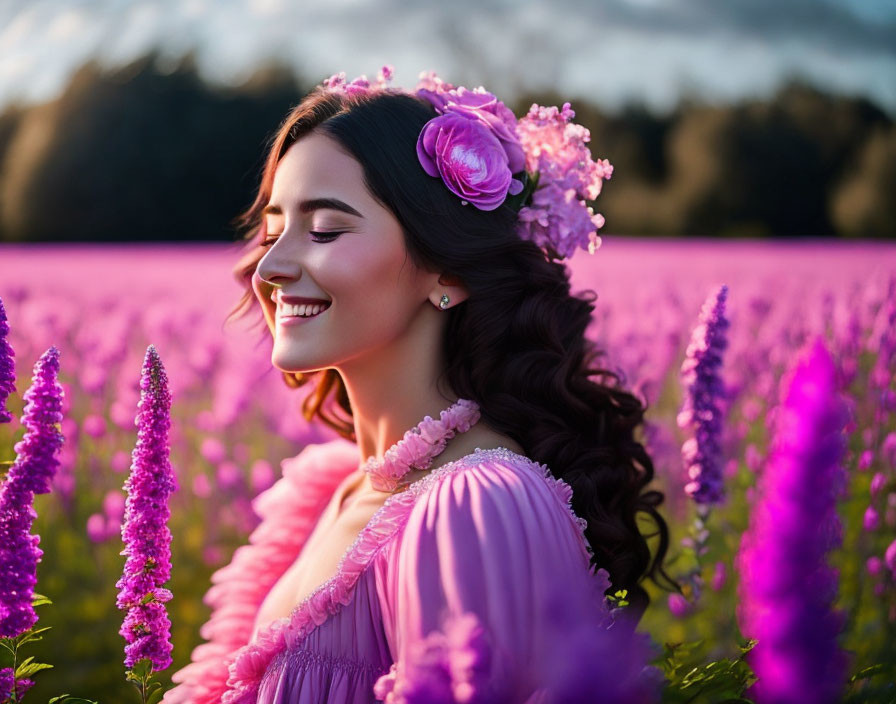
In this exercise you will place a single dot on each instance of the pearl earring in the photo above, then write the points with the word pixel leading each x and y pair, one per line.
pixel 443 304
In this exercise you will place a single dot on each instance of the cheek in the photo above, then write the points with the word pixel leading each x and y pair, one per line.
pixel 367 280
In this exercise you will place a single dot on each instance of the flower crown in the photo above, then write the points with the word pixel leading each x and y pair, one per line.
pixel 539 165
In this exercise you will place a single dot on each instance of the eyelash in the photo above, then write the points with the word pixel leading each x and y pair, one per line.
pixel 322 237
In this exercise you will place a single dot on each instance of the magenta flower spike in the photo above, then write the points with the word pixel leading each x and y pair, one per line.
pixel 146 628
pixel 7 367
pixel 702 454
pixel 30 474
pixel 7 679
pixel 786 589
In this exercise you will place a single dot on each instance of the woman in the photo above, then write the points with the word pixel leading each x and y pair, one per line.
pixel 402 253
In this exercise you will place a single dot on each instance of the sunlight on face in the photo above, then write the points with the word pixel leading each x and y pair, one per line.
pixel 356 259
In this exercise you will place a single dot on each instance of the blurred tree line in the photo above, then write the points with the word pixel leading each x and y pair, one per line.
pixel 146 152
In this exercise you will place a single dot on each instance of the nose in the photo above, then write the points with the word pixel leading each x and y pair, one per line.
pixel 272 273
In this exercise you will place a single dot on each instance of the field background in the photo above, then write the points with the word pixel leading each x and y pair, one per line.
pixel 233 420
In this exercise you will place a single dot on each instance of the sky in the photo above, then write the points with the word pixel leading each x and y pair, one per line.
pixel 610 52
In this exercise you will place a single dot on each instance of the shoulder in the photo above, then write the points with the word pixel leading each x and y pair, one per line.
pixel 501 473
pixel 497 491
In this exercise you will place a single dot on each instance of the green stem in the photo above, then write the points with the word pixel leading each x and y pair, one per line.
pixel 15 692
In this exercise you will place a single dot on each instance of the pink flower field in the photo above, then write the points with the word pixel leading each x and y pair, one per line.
pixel 803 436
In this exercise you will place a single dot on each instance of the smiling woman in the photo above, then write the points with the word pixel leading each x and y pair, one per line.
pixel 402 251
pixel 333 241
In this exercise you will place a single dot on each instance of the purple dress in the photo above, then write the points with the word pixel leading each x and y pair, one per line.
pixel 440 598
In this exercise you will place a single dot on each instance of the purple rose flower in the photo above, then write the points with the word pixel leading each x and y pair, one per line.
pixel 469 158
pixel 485 107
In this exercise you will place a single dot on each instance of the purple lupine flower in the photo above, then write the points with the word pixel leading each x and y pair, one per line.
pixel 787 590
pixel 890 558
pixel 7 367
pixel 30 474
pixel 146 627
pixel 9 684
pixel 702 453
pixel 719 577
pixel 678 605
pixel 7 679
pixel 882 373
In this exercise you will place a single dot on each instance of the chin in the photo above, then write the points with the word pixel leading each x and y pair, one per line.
pixel 294 363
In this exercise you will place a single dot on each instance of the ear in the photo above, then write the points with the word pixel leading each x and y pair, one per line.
pixel 450 286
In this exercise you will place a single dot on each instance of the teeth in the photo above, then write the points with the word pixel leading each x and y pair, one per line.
pixel 304 310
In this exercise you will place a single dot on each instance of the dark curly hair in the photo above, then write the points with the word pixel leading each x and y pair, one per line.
pixel 516 345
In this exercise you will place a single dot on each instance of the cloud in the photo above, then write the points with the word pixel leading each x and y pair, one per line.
pixel 614 50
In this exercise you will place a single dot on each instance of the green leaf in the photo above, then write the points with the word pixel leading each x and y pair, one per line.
pixel 32 636
pixel 524 197
pixel 26 668
pixel 689 681
pixel 868 672
pixel 156 693
pixel 141 669
pixel 748 646
pixel 39 600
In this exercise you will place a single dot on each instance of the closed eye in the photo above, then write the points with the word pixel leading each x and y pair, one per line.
pixel 319 237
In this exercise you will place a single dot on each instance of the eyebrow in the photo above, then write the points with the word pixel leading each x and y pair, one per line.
pixel 309 206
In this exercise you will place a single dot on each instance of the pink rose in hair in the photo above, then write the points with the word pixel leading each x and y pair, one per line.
pixel 481 105
pixel 469 158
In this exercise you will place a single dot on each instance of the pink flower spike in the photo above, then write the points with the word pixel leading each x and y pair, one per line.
pixel 7 367
pixel 787 589
pixel 871 519
pixel 146 627
pixel 32 473
pixel 878 482
pixel 890 558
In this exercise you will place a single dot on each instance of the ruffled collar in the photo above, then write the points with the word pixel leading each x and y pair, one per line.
pixel 420 445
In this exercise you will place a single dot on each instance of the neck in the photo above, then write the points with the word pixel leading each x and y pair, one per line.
pixel 392 389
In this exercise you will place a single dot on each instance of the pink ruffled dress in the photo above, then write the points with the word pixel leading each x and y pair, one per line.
pixel 487 538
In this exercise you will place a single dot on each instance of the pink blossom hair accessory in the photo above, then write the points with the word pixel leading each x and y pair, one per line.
pixel 420 445
pixel 539 166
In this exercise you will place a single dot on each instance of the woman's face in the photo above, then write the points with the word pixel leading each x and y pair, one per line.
pixel 333 241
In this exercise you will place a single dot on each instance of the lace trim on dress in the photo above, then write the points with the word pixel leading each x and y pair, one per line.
pixel 248 665
pixel 564 493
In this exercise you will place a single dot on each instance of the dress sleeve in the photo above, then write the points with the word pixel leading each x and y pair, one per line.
pixel 288 511
pixel 466 592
